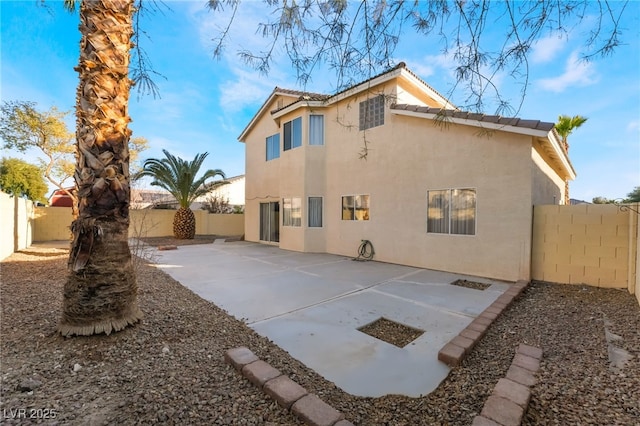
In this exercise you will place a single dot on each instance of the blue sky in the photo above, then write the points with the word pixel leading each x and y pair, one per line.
pixel 205 102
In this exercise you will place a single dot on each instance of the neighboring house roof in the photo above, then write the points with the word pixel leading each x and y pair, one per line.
pixel 544 131
pixel 59 198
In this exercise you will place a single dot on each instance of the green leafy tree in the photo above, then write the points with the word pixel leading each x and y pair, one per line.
pixel 21 179
pixel 178 177
pixel 565 126
pixel 633 196
pixel 23 127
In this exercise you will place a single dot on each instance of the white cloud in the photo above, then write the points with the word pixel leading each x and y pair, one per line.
pixel 546 49
pixel 577 73
pixel 633 126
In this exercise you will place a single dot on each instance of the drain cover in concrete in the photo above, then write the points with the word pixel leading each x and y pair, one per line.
pixel 391 332
pixel 471 284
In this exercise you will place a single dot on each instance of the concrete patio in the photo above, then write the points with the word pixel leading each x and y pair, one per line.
pixel 312 305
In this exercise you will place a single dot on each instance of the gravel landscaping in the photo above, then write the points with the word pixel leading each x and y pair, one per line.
pixel 169 369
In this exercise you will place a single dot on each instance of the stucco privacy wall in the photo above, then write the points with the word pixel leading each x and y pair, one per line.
pixel 591 244
pixel 52 223
pixel 16 219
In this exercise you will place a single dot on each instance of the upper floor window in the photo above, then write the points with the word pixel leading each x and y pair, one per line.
pixel 451 211
pixel 273 146
pixel 316 130
pixel 291 212
pixel 355 207
pixel 372 112
pixel 292 134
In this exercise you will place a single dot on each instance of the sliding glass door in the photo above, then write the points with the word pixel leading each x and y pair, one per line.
pixel 270 222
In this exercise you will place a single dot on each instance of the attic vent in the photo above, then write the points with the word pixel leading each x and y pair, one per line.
pixel 280 103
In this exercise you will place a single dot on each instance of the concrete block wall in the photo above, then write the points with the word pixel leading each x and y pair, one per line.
pixel 592 244
pixel 53 223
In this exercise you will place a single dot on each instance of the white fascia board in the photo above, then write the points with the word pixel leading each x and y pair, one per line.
pixel 556 145
pixel 431 92
pixel 364 86
pixel 259 114
pixel 296 105
pixel 474 123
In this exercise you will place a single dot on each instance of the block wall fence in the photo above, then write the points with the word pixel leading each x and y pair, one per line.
pixel 53 223
pixel 594 244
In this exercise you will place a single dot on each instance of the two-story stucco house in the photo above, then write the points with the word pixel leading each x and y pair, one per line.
pixel 392 161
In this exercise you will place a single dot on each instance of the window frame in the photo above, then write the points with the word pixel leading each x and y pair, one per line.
pixel 453 223
pixel 292 215
pixel 271 142
pixel 290 130
pixel 310 210
pixel 311 129
pixel 356 199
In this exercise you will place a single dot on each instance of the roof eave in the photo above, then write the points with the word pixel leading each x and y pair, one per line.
pixel 296 105
pixel 263 109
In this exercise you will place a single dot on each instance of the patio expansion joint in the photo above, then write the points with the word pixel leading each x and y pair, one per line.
pixel 331 299
pixel 306 406
pixel 423 304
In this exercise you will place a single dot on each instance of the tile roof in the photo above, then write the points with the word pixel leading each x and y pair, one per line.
pixel 301 94
pixel 493 119
pixel 308 96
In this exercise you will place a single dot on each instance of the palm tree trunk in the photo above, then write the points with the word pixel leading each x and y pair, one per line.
pixel 100 295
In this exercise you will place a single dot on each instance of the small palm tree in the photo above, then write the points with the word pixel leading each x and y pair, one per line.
pixel 565 126
pixel 179 178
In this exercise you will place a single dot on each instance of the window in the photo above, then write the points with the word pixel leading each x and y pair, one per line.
pixel 315 212
pixel 355 207
pixel 291 212
pixel 292 134
pixel 273 146
pixel 316 130
pixel 451 211
pixel 372 112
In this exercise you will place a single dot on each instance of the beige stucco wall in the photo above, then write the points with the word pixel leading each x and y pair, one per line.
pixel 52 223
pixel 636 284
pixel 547 186
pixel 6 225
pixel 16 219
pixel 593 244
pixel 406 157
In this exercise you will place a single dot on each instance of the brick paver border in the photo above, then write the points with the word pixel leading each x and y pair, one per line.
pixel 288 394
pixel 454 352
pixel 510 397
